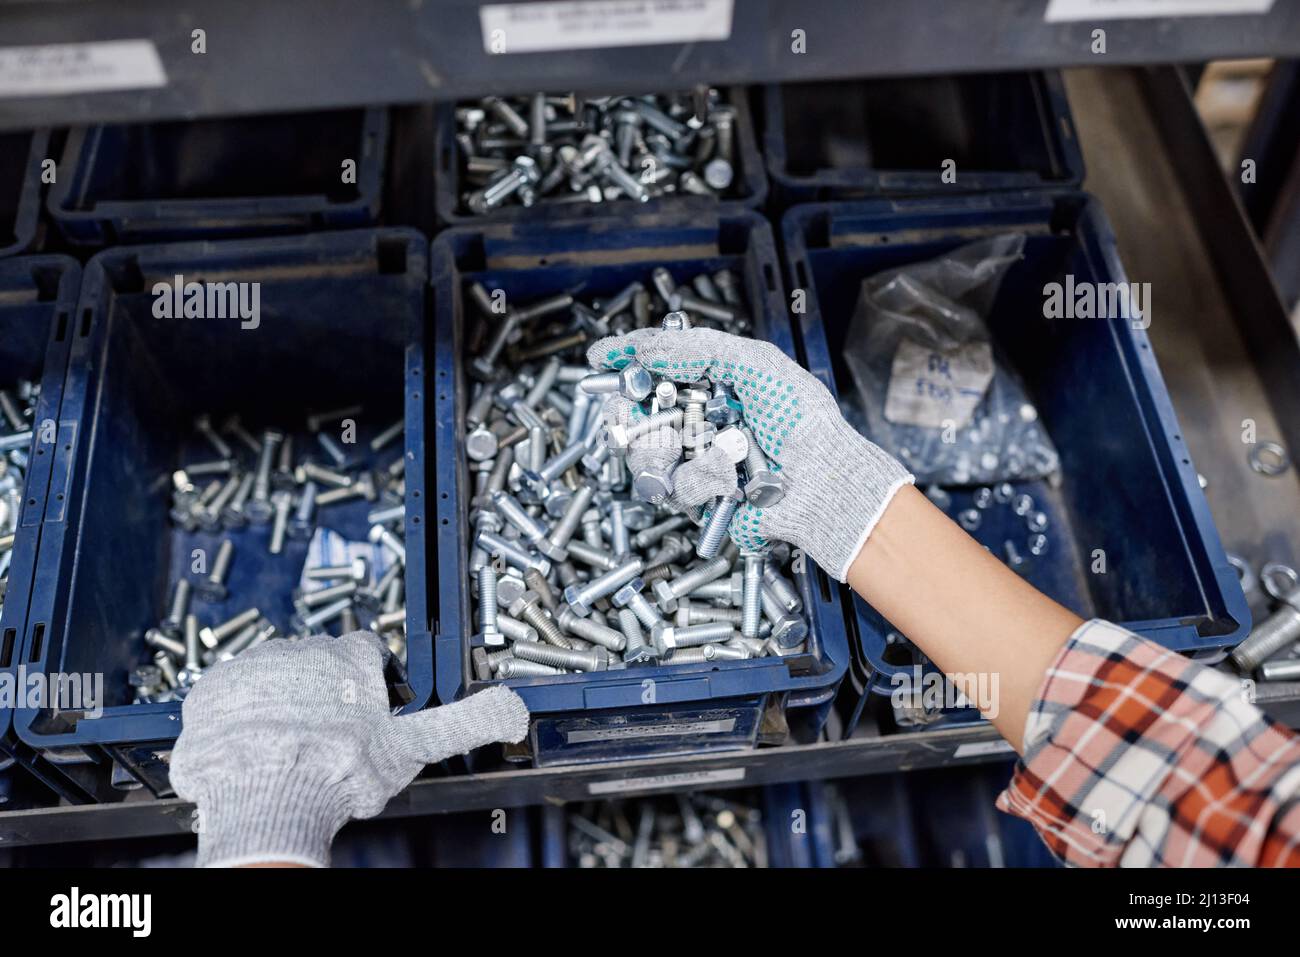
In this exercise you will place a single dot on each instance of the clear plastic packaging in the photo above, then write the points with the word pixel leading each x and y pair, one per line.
pixel 931 389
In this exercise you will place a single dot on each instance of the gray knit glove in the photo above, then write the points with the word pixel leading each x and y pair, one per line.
pixel 837 484
pixel 285 743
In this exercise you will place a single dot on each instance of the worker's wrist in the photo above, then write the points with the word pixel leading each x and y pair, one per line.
pixel 265 817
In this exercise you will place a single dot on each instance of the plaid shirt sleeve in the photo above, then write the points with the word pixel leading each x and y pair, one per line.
pixel 1136 756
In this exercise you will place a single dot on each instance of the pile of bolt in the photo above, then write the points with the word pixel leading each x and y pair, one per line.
pixel 1271 650
pixel 594 149
pixel 1002 495
pixel 640 585
pixel 16 415
pixel 258 481
pixel 695 830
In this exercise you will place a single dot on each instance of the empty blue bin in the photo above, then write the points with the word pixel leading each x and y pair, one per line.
pixel 1128 487
pixel 342 321
pixel 603 716
pixel 851 139
pixel 220 178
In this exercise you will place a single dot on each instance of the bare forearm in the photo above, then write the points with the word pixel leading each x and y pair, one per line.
pixel 966 610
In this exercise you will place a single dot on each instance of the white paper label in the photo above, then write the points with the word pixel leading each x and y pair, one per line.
pixel 80 68
pixel 589 24
pixel 1064 10
pixel 626 785
pixel 982 748
pixel 622 732
pixel 933 389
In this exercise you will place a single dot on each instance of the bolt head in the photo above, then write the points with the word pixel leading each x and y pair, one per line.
pixel 573 598
pixel 664 637
pixel 527 599
pixel 375 534
pixel 652 486
pixel 719 410
pixel 258 512
pixel 737 583
pixel 718 173
pixel 663 593
pixel 552 551
pixel 698 435
pixel 789 631
pixel 733 444
pixel 360 569
pixel 602 658
pixel 481 444
pixel 211 591
pixel 482 669
pixel 764 489
pixel 623 597
pixel 483 370
pixel 635 382
pixel 232 517
pixel 300 530
pixel 645 655
pixel 489 639
pixel 509 590
pixel 615 437
pixel 207 638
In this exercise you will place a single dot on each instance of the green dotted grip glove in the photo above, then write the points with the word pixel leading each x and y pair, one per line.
pixel 837 483
pixel 285 743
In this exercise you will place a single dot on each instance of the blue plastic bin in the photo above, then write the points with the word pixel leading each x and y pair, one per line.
pixel 220 178
pixel 748 191
pixel 602 716
pixel 1128 483
pixel 851 139
pixel 38 301
pixel 342 321
pixel 21 154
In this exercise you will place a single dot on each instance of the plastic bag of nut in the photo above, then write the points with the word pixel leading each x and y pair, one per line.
pixel 573 568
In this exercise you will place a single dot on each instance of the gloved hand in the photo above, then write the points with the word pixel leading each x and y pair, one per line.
pixel 285 743
pixel 837 483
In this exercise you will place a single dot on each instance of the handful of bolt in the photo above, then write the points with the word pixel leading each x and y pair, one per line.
pixel 640 585
pixel 694 830
pixel 594 149
pixel 254 482
pixel 16 417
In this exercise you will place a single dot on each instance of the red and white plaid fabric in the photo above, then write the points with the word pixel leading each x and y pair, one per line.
pixel 1136 756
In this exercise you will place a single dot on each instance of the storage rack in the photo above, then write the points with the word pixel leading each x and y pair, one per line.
pixel 403 53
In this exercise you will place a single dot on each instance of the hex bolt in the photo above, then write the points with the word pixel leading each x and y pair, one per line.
pixel 655 533
pixel 213 588
pixel 210 518
pixel 1271 635
pixel 495 545
pixel 193 662
pixel 180 604
pixel 303 524
pixel 519 668
pixel 165 664
pixel 516 630
pixel 620 437
pixel 358 570
pixel 232 516
pixel 362 487
pixel 562 531
pixel 304 624
pixel 751 612
pixel 211 637
pixel 530 528
pixel 731 590
pixel 387 436
pixel 536 582
pixel 395 514
pixel 203 425
pixel 594 557
pixel 785 592
pixel 379 535
pixel 595 659
pixel 763 487
pixel 630 596
pixel 371 599
pixel 155 638
pixel 633 381
pixel 667 592
pixel 592 631
pixel 581 598
pixel 692 636
pixel 488 633
pixel 322 475
pixel 252 636
pixel 715 530
pixel 323 596
pixel 260 509
pixel 529 609
pixel 282 502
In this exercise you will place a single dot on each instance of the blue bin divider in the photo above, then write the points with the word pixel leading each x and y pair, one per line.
pixel 603 716
pixel 38 302
pixel 750 187
pixel 220 178
pixel 21 154
pixel 1004 131
pixel 1128 484
pixel 343 318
